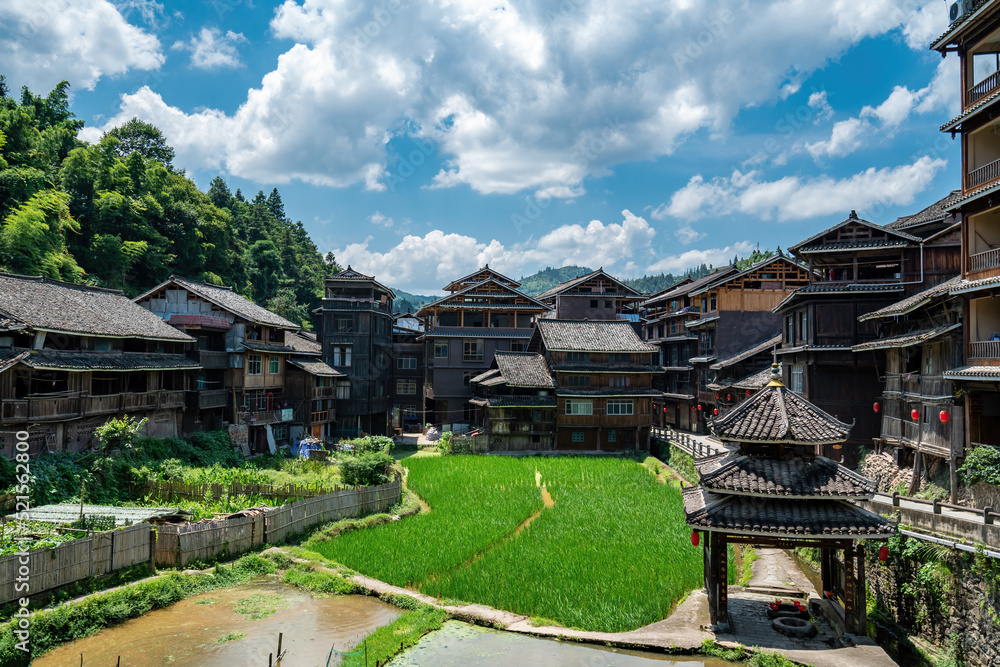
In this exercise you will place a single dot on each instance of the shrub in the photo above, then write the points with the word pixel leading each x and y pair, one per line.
pixel 982 465
pixel 444 442
pixel 118 433
pixel 366 469
pixel 371 443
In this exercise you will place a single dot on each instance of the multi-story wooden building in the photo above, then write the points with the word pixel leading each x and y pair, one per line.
pixel 354 327
pixel 408 372
pixel 731 370
pixel 243 354
pixel 482 313
pixel 314 383
pixel 973 38
pixel 856 267
pixel 72 357
pixel 603 371
pixel 517 402
pixel 594 296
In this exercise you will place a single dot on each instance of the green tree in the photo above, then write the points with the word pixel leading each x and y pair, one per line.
pixel 285 304
pixel 137 136
pixel 33 238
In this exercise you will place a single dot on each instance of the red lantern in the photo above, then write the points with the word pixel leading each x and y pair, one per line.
pixel 883 553
pixel 716 396
pixel 943 416
pixel 678 406
pixel 915 414
pixel 695 538
pixel 729 397
pixel 715 411
pixel 664 408
pixel 748 392
pixel 699 406
pixel 875 407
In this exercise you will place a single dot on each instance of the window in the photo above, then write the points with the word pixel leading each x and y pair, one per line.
pixel 440 350
pixel 797 376
pixel 202 382
pixel 620 407
pixel 578 380
pixel 619 357
pixel 343 390
pixel 274 365
pixel 804 325
pixel 612 436
pixel 789 330
pixel 620 381
pixel 593 303
pixel 343 324
pixel 279 431
pixel 578 407
pixel 577 436
pixel 253 364
pixel 518 346
pixel 406 363
pixel 467 378
pixel 102 345
pixel 713 306
pixel 406 386
pixel 472 350
pixel 578 356
pixel 342 355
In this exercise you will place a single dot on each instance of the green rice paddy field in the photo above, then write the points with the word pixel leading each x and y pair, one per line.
pixel 611 554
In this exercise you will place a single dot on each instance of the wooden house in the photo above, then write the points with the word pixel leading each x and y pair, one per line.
pixel 354 327
pixel 482 313
pixel 921 416
pixel 242 353
pixel 315 384
pixel 73 356
pixel 731 370
pixel 735 315
pixel 594 296
pixel 516 402
pixel 973 38
pixel 408 372
pixel 856 267
pixel 603 373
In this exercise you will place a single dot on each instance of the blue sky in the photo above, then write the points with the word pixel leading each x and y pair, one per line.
pixel 419 140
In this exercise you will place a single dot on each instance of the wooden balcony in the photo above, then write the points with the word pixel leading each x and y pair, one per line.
pixel 102 405
pixel 72 406
pixel 982 89
pixel 212 398
pixel 984 260
pixel 212 359
pixel 13 410
pixel 324 392
pixel 170 399
pixel 320 417
pixel 985 174
pixel 984 349
pixel 146 400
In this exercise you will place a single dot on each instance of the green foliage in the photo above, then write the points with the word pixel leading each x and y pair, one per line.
pixel 33 238
pixel 95 522
pixel 118 433
pixel 746 572
pixel 370 443
pixel 260 605
pixel 683 463
pixel 319 581
pixel 982 464
pixel 139 136
pixel 40 536
pixel 401 634
pixel 751 657
pixel 444 443
pixel 368 469
pixel 232 636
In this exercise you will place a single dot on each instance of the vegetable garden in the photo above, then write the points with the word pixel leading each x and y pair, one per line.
pixel 612 554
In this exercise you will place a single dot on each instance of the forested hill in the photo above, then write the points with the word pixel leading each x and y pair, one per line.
pixel 119 214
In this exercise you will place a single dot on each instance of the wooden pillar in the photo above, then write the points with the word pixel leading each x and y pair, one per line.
pixel 862 595
pixel 707 566
pixel 826 569
pixel 915 479
pixel 850 589
pixel 722 570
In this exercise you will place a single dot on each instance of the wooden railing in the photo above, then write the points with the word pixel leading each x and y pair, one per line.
pixel 985 174
pixel 210 359
pixel 324 392
pixel 319 417
pixel 212 398
pixel 984 260
pixel 14 410
pixel 982 89
pixel 984 349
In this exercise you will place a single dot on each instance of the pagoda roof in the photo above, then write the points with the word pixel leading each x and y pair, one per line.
pixel 565 286
pixel 778 415
pixel 523 369
pixel 757 380
pixel 511 292
pixel 794 477
pixel 819 519
pixel 491 274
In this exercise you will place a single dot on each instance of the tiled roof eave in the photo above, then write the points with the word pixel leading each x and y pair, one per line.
pixel 722 491
pixel 982 191
pixel 915 338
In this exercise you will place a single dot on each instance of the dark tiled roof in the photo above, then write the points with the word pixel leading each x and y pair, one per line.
pixel 9 324
pixel 814 348
pixel 758 380
pixel 609 391
pixel 855 245
pixel 768 344
pixel 569 284
pixel 227 299
pixel 482 377
pixel 607 368
pixel 837 288
pixel 852 219
pixel 591 336
pixel 677 339
pixel 933 213
pixel 794 477
pixel 257 346
pixel 47 304
pixel 912 303
pixel 512 293
pixel 108 361
pixel 778 415
pixel 817 519
pixel 703 360
pixel 990 373
pixel 700 321
pixel 988 189
pixel 499 276
pixel 973 8
pixel 315 367
pixel 10 356
pixel 677 369
pixel 679 397
pixel 913 338
pixel 753 267
pixel 517 401
pixel 686 288
pixel 966 286
pixel 477 332
pixel 303 342
pixel 524 369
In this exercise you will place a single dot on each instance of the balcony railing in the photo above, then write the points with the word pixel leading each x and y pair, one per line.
pixel 320 417
pixel 985 174
pixel 984 349
pixel 212 398
pixel 211 359
pixel 984 260
pixel 324 392
pixel 982 89
pixel 55 408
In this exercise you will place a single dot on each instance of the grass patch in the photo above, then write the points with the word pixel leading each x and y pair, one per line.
pixel 76 620
pixel 260 605
pixel 750 657
pixel 231 637
pixel 319 581
pixel 746 571
pixel 399 635
pixel 683 463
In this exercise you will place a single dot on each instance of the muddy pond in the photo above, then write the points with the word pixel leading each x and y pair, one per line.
pixel 232 627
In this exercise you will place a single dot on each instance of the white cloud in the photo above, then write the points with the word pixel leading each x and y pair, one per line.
pixel 883 120
pixel 513 97
pixel 378 219
pixel 687 234
pixel 796 198
pixel 821 106
pixel 423 264
pixel 211 49
pixel 692 258
pixel 47 41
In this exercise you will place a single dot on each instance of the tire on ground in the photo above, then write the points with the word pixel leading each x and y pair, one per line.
pixel 794 627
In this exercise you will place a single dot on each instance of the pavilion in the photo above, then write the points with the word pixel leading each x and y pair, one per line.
pixel 774 491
